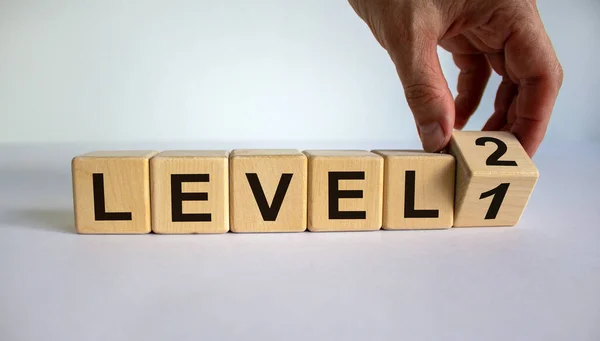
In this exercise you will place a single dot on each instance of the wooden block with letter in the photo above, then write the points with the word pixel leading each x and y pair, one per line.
pixel 418 190
pixel 268 190
pixel 345 190
pixel 190 192
pixel 111 192
pixel 494 178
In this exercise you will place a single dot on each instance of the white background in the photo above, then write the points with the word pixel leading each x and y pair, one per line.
pixel 122 71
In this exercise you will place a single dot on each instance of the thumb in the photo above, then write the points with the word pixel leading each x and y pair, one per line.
pixel 426 89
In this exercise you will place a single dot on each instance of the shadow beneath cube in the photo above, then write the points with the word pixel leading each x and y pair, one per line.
pixel 55 220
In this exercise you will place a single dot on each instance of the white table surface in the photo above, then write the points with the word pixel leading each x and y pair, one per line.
pixel 539 280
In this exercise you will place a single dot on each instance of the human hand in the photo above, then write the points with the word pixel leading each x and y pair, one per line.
pixel 506 35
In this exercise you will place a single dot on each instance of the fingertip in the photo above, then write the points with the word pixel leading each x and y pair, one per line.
pixel 434 137
pixel 496 122
pixel 529 137
pixel 459 124
pixel 528 145
pixel 462 114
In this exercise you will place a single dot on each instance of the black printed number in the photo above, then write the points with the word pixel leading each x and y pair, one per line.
pixel 494 159
pixel 499 193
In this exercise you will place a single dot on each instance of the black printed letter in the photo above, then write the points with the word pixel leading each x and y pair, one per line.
pixel 335 194
pixel 99 202
pixel 269 213
pixel 409 200
pixel 177 197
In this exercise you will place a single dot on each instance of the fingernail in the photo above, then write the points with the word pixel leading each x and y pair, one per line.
pixel 432 136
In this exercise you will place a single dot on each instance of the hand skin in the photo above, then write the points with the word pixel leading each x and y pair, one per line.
pixel 507 36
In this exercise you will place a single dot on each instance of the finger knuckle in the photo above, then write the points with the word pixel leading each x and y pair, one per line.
pixel 408 21
pixel 421 95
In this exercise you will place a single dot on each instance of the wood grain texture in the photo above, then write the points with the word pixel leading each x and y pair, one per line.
pixel 493 186
pixel 429 180
pixel 190 171
pixel 126 190
pixel 326 169
pixel 271 172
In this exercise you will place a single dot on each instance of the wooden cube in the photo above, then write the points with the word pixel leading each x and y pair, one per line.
pixel 190 192
pixel 494 178
pixel 268 190
pixel 418 190
pixel 345 190
pixel 111 192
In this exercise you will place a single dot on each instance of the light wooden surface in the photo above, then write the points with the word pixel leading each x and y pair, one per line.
pixel 268 190
pixel 362 207
pixel 121 180
pixel 493 185
pixel 418 190
pixel 204 178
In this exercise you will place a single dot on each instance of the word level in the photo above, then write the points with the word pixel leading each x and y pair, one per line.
pixel 485 179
